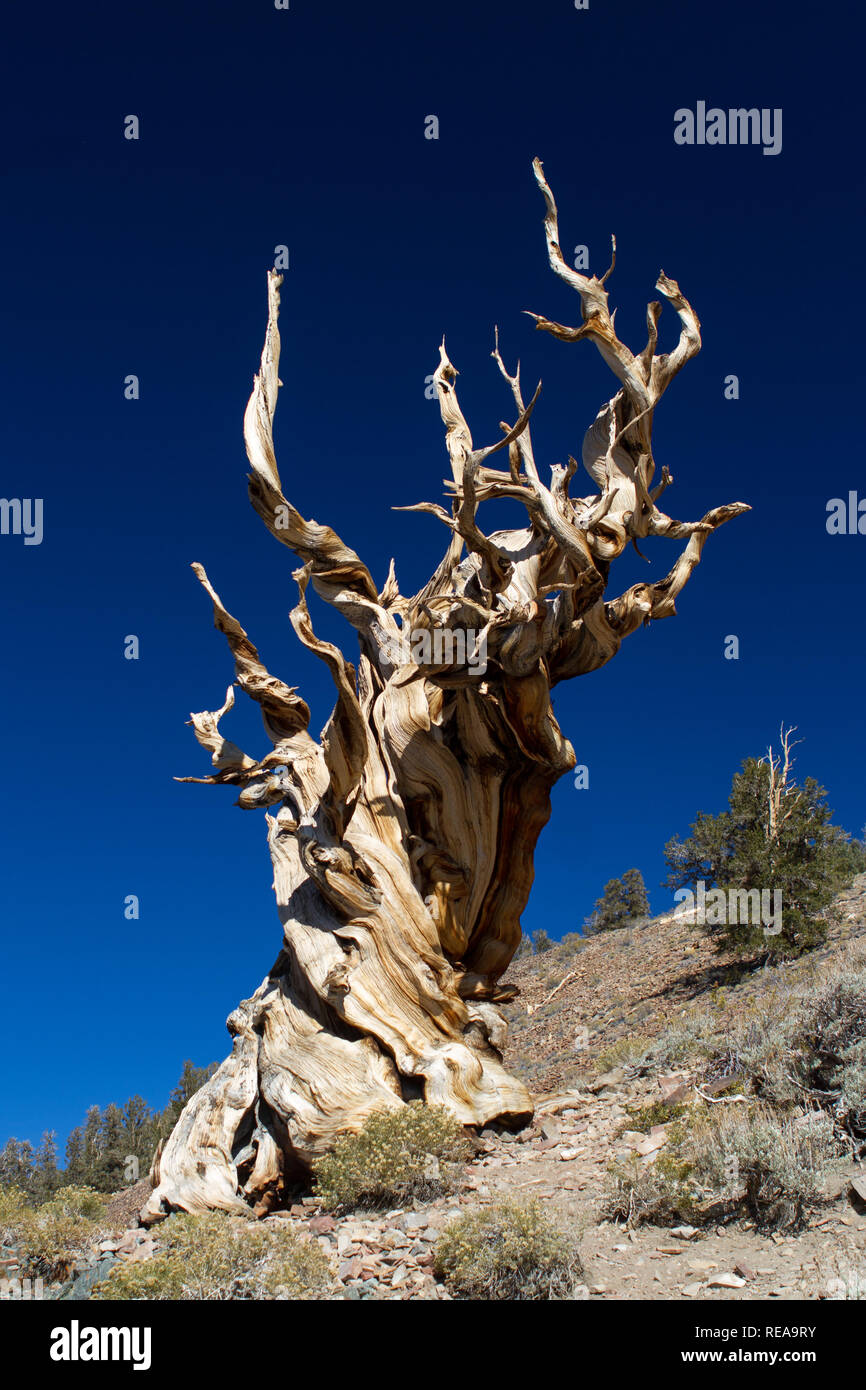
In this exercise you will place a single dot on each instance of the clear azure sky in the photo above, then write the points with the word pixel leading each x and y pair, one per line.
pixel 305 127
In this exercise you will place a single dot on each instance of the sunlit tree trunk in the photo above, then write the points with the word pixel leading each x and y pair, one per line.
pixel 402 840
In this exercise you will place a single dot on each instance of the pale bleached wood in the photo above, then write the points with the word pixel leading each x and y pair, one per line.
pixel 402 840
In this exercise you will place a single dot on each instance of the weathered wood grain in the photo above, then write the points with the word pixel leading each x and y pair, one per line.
pixel 402 840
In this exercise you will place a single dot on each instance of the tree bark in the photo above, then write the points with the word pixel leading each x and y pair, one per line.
pixel 402 841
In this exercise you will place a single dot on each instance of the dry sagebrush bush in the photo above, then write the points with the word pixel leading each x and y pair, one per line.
pixel 695 1036
pixel 660 1193
pixel 743 1160
pixel 818 1049
pixel 50 1237
pixel 13 1201
pixel 624 1052
pixel 775 1166
pixel 511 1250
pixel 415 1151
pixel 218 1258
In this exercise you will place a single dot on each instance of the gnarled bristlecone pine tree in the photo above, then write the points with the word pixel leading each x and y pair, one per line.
pixel 402 841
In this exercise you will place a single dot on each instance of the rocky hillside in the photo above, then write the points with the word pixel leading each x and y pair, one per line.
pixel 579 1010
pixel 599 1033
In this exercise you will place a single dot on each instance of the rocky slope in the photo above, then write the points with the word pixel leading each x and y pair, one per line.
pixel 575 1007
pixel 579 1028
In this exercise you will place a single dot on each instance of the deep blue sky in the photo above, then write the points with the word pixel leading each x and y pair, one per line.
pixel 305 127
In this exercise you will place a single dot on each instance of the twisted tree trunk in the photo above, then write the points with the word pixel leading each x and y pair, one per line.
pixel 402 842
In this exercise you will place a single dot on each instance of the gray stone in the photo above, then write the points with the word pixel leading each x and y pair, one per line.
pixel 83 1284
pixel 607 1080
pixel 413 1221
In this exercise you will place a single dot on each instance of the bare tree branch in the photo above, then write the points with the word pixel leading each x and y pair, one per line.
pixel 402 843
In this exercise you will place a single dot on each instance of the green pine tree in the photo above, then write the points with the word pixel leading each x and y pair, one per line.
pixel 139 1137
pixel 192 1079
pixel 635 895
pixel 112 1151
pixel 74 1171
pixel 98 1152
pixel 624 901
pixel 18 1165
pixel 775 835
pixel 91 1163
pixel 46 1176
